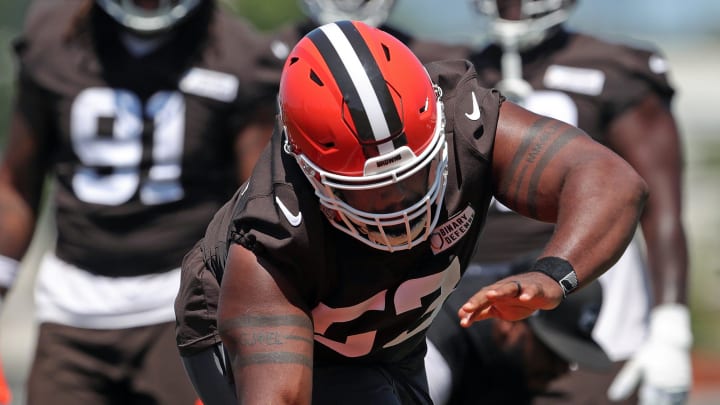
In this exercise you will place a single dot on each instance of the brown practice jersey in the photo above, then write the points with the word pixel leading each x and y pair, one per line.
pixel 141 147
pixel 366 304
pixel 578 79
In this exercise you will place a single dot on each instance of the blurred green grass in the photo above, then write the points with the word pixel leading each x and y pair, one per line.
pixel 266 14
pixel 702 214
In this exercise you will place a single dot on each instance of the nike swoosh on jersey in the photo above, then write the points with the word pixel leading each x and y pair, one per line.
pixel 294 220
pixel 245 187
pixel 475 114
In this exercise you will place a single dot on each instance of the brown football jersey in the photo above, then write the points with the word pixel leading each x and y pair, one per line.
pixel 579 79
pixel 141 145
pixel 366 304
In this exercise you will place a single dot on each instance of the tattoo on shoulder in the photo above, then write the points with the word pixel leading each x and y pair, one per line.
pixel 541 143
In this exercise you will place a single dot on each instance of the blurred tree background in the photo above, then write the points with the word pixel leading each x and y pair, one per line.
pixel 266 14
pixel 11 13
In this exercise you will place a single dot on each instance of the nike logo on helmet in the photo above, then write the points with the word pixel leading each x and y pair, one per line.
pixel 475 114
pixel 294 220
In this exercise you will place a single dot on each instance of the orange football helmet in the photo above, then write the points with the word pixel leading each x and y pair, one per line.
pixel 360 113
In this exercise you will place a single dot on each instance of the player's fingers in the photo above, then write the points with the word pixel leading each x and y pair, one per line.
pixel 479 302
pixel 481 305
pixel 468 317
pixel 506 289
pixel 506 309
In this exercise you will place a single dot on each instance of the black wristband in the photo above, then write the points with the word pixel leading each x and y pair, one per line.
pixel 559 270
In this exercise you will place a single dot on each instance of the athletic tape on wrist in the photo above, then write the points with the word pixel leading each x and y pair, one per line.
pixel 9 269
pixel 559 270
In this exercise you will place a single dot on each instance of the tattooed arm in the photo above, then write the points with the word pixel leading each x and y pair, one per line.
pixel 554 172
pixel 270 339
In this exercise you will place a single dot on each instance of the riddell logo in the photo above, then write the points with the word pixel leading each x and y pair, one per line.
pixel 388 161
pixel 446 235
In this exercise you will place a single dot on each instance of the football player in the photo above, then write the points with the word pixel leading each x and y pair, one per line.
pixel 322 274
pixel 619 94
pixel 143 114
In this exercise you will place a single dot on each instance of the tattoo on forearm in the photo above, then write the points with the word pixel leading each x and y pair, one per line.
pixel 541 144
pixel 272 358
pixel 264 334
pixel 268 338
pixel 265 320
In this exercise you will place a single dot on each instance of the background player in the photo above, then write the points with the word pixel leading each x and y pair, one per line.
pixel 371 12
pixel 620 95
pixel 143 114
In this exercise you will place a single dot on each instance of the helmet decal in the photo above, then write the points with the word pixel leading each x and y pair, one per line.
pixel 364 89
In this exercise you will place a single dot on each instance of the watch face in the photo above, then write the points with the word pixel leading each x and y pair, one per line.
pixel 569 282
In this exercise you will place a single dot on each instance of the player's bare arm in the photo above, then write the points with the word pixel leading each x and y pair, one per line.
pixel 269 339
pixel 544 169
pixel 21 180
pixel 659 162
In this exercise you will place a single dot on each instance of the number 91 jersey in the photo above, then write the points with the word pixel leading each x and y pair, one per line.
pixel 140 144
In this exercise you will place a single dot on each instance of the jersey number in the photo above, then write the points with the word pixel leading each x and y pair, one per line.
pixel 106 129
pixel 407 297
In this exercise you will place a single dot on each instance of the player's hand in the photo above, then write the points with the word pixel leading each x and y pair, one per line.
pixel 5 396
pixel 662 365
pixel 512 298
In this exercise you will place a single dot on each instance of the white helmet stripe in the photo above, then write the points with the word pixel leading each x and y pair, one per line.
pixel 362 84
